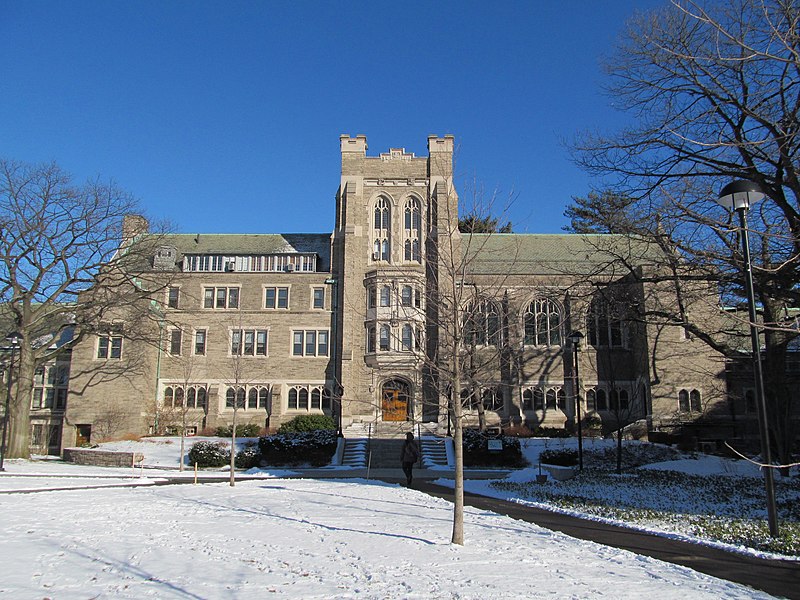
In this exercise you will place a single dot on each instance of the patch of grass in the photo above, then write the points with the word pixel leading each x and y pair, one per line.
pixel 724 509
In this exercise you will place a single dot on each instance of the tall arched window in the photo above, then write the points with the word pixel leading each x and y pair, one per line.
pixel 538 399
pixel 601 399
pixel 302 399
pixel 543 323
pixel 252 398
pixel 562 400
pixel 482 324
pixel 316 399
pixel 605 327
pixel 263 397
pixel 591 400
pixel 168 396
pixel 385 338
pixel 201 397
pixel 613 400
pixel 408 338
pixel 694 401
pixel 190 397
pixel 492 399
pixel 381 230
pixel 412 230
pixel 527 399
pixel 689 401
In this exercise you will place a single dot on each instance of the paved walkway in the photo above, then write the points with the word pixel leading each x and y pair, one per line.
pixel 776 577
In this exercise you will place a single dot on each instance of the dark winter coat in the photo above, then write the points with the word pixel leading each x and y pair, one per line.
pixel 409 453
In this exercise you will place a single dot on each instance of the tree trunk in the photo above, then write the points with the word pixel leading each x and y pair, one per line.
pixel 19 432
pixel 233 440
pixel 458 450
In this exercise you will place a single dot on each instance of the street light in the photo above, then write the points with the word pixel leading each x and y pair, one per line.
pixel 13 339
pixel 337 388
pixel 576 338
pixel 738 196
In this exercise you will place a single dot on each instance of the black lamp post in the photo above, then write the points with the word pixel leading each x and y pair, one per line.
pixel 13 339
pixel 576 338
pixel 738 196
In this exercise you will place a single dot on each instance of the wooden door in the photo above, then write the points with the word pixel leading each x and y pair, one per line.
pixel 394 406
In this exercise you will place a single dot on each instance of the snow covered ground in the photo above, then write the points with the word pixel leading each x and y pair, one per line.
pixel 293 538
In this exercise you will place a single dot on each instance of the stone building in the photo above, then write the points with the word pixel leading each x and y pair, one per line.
pixel 361 323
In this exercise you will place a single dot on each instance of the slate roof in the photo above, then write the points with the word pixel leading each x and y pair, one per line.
pixel 241 244
pixel 551 254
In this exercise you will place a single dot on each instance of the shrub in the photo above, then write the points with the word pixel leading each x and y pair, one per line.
pixel 551 432
pixel 564 458
pixel 296 448
pixel 517 430
pixel 477 453
pixel 210 454
pixel 247 458
pixel 307 423
pixel 242 431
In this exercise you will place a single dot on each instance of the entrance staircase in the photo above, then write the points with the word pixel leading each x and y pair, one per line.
pixel 377 445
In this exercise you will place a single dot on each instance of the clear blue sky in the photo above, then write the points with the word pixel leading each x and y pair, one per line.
pixel 225 116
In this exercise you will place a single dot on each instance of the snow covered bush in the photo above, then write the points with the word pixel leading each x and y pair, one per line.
pixel 306 447
pixel 209 454
pixel 247 457
pixel 565 458
pixel 477 453
pixel 242 431
pixel 307 423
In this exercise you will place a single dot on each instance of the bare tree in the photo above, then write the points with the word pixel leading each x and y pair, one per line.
pixel 183 411
pixel 463 313
pixel 712 88
pixel 69 260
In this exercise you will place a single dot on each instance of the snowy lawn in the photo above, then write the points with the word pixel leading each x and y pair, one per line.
pixel 699 497
pixel 295 538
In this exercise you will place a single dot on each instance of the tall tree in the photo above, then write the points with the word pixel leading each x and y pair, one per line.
pixel 58 240
pixel 464 309
pixel 712 88
pixel 475 223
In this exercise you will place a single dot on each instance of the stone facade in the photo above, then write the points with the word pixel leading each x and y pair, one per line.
pixel 354 323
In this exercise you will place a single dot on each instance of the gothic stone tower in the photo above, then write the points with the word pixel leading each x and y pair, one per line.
pixel 389 212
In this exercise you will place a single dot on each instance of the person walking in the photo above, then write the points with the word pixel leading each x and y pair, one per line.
pixel 408 456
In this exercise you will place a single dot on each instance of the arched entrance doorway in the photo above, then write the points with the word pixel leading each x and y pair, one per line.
pixel 395 400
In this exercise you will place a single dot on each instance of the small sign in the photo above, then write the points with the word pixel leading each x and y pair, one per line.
pixel 495 445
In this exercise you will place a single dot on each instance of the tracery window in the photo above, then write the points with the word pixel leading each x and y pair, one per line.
pixel 543 323
pixel 605 327
pixel 381 230
pixel 309 398
pixel 412 230
pixel 482 324
pixel 492 399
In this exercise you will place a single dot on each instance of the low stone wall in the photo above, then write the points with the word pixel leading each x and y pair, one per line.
pixel 102 458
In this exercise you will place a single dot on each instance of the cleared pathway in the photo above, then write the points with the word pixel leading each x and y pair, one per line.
pixel 776 577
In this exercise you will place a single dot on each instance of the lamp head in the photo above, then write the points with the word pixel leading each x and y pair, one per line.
pixel 576 337
pixel 14 338
pixel 740 194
